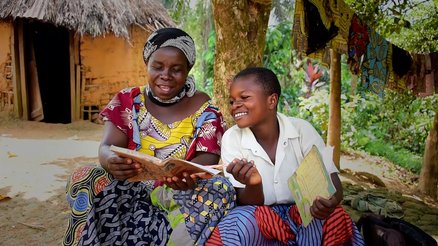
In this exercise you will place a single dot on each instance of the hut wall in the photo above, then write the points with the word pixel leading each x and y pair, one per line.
pixel 6 87
pixel 110 64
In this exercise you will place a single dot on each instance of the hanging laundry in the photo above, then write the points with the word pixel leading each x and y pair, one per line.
pixel 357 43
pixel 325 14
pixel 342 16
pixel 299 29
pixel 375 63
pixel 399 64
pixel 422 75
pixel 309 32
pixel 434 65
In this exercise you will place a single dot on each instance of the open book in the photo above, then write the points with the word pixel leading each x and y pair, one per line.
pixel 310 180
pixel 155 168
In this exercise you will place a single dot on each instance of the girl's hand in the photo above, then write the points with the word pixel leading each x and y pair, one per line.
pixel 122 168
pixel 186 182
pixel 245 172
pixel 322 208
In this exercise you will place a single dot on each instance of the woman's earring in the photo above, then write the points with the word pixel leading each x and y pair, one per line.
pixel 190 86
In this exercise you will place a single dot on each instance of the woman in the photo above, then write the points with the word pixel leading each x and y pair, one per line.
pixel 166 118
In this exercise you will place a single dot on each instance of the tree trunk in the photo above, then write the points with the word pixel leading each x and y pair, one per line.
pixel 334 124
pixel 240 40
pixel 429 171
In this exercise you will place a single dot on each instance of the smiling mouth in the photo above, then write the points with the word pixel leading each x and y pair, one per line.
pixel 239 115
pixel 164 88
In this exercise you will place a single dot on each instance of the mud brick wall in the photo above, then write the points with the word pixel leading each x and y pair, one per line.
pixel 110 64
pixel 6 87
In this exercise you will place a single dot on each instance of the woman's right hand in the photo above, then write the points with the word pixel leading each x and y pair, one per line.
pixel 121 168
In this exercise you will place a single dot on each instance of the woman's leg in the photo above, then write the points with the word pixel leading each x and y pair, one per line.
pixel 123 214
pixel 194 213
pixel 84 184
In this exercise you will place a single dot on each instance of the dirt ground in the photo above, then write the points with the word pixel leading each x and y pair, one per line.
pixel 37 158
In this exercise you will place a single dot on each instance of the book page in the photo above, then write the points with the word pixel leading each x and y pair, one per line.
pixel 309 181
pixel 155 168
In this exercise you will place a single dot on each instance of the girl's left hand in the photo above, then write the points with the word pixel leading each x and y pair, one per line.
pixel 322 208
pixel 186 182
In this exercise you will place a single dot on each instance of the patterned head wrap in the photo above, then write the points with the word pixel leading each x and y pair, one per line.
pixel 170 37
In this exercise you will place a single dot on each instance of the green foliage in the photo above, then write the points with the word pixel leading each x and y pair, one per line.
pixel 283 9
pixel 208 58
pixel 411 25
pixel 195 17
pixel 315 109
pixel 395 126
pixel 408 119
pixel 395 154
pixel 278 57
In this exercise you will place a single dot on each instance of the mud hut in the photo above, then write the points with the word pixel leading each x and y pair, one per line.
pixel 62 60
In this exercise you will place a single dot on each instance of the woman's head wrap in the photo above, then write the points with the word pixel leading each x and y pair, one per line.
pixel 170 37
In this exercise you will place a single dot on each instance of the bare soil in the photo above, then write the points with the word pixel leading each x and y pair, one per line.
pixel 35 211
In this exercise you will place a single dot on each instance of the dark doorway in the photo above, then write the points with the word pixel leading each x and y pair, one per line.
pixel 48 62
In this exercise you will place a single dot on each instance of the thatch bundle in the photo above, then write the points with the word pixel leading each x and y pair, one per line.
pixel 94 17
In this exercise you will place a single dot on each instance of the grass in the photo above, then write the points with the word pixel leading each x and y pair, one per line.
pixel 395 154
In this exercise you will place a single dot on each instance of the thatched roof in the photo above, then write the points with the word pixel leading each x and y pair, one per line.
pixel 94 17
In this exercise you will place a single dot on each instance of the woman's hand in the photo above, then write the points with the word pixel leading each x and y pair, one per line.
pixel 245 172
pixel 322 208
pixel 122 168
pixel 186 182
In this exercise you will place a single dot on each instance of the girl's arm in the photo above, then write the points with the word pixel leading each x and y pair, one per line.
pixel 321 207
pixel 246 173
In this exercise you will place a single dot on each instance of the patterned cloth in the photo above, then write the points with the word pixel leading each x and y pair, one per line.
pixel 133 213
pixel 309 34
pixel 127 112
pixel 375 63
pixel 115 212
pixel 281 225
pixel 357 43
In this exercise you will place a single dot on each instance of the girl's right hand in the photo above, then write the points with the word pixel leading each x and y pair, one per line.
pixel 245 172
pixel 122 168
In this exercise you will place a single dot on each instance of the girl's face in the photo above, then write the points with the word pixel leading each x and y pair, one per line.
pixel 167 72
pixel 249 103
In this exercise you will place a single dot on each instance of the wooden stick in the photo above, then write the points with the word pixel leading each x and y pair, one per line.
pixel 38 227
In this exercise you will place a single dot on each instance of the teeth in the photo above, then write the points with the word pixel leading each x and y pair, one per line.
pixel 240 114
pixel 164 88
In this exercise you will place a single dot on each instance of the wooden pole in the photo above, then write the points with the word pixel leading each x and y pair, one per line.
pixel 23 84
pixel 334 124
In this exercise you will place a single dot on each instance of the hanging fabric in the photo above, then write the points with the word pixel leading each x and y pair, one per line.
pixel 375 63
pixel 357 43
pixel 309 32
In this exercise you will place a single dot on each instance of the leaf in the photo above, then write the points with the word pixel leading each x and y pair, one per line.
pixel 4 198
pixel 11 155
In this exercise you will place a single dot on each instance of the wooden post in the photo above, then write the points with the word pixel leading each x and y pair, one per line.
pixel 334 124
pixel 71 51
pixel 23 84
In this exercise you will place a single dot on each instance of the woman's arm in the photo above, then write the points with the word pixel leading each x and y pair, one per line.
pixel 205 158
pixel 120 168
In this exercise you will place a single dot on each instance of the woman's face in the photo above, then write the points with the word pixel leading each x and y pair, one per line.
pixel 167 72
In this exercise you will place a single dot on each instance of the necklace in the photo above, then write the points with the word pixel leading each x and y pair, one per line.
pixel 164 103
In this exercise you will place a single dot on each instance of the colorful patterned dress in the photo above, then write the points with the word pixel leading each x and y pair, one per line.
pixel 106 211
